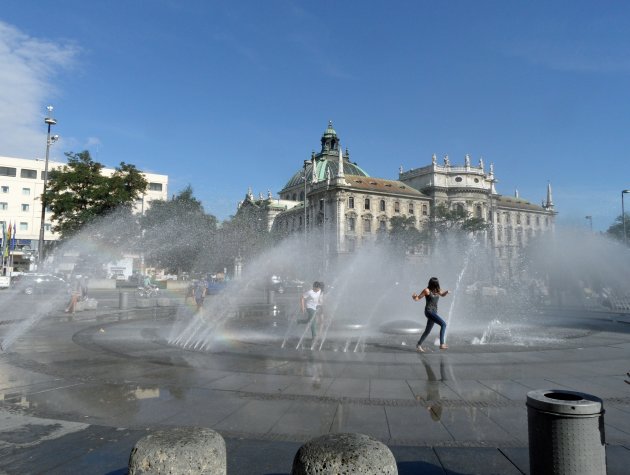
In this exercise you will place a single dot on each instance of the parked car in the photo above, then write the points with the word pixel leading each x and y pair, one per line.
pixel 41 284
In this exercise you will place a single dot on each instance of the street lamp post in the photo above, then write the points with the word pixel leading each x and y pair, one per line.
pixel 623 217
pixel 590 221
pixel 306 162
pixel 49 141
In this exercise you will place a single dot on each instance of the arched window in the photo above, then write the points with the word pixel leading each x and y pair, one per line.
pixel 478 211
pixel 367 203
pixel 301 196
pixel 460 208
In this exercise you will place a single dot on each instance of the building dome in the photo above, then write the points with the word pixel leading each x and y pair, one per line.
pixel 321 174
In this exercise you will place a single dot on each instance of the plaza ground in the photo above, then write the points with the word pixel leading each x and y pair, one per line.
pixel 77 393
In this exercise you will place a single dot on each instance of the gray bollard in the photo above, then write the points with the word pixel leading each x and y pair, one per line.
pixel 180 450
pixel 344 453
pixel 566 433
pixel 123 299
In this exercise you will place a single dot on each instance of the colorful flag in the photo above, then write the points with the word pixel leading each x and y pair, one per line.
pixel 4 239
pixel 6 248
pixel 12 243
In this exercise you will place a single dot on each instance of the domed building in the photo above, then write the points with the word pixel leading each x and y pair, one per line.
pixel 335 199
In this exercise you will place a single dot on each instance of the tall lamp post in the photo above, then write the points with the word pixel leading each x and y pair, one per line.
pixel 49 141
pixel 623 217
pixel 306 162
pixel 590 221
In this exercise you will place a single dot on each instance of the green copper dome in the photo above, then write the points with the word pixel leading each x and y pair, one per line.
pixel 321 165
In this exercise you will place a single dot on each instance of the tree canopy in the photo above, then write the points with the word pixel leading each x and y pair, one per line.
pixel 79 192
pixel 615 230
pixel 178 235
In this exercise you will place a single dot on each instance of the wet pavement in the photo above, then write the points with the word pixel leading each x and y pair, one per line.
pixel 76 394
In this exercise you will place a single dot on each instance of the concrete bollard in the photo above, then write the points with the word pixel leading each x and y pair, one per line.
pixel 180 450
pixel 91 304
pixel 163 302
pixel 566 433
pixel 123 300
pixel 344 453
pixel 79 306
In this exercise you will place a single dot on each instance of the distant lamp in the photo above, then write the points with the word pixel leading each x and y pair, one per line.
pixel 623 217
pixel 50 121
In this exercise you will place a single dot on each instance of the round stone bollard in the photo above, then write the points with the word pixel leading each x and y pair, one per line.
pixel 344 453
pixel 566 433
pixel 180 450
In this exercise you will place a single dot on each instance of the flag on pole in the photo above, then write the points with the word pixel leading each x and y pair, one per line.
pixel 13 237
pixel 8 239
pixel 4 238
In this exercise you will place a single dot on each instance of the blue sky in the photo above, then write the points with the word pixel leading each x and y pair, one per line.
pixel 223 95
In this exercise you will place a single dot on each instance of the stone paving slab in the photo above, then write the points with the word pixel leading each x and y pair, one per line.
pixel 76 395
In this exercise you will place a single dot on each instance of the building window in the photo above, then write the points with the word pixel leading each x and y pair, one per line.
pixel 23 226
pixel 26 191
pixel 367 225
pixel 42 175
pixel 537 220
pixel 367 203
pixel 26 173
pixel 351 224
pixel 294 197
pixel 4 189
pixel 478 211
pixel 499 233
pixel 518 218
pixel 396 207
pixel 506 218
pixel 8 171
pixel 350 202
pixel 25 207
pixel 460 208
pixel 528 220
pixel 155 186
pixel 425 210
pixel 321 205
pixel 458 179
pixel 4 206
pixel 410 208
pixel 382 225
pixel 301 196
pixel 47 227
pixel 382 205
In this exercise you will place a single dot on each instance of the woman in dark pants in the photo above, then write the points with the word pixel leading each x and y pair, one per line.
pixel 432 294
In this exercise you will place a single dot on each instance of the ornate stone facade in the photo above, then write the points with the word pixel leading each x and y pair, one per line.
pixel 338 199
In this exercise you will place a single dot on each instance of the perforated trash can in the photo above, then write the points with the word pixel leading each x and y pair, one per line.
pixel 123 299
pixel 566 433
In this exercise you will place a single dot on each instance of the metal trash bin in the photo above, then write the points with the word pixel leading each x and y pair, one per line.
pixel 123 299
pixel 566 433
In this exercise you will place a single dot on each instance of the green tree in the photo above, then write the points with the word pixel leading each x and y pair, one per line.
pixel 615 230
pixel 179 236
pixel 404 235
pixel 457 220
pixel 245 234
pixel 78 194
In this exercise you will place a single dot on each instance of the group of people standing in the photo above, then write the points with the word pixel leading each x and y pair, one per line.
pixel 313 299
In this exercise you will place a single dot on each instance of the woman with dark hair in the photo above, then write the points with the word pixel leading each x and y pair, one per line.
pixel 432 294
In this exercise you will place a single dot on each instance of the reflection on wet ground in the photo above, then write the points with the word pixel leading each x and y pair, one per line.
pixel 125 374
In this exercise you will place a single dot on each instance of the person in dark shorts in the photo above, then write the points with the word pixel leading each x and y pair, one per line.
pixel 432 294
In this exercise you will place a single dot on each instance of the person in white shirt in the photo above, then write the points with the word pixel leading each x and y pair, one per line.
pixel 310 302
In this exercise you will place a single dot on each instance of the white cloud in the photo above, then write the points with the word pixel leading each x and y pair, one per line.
pixel 27 68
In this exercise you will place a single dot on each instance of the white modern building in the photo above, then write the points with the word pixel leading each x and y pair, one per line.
pixel 21 187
